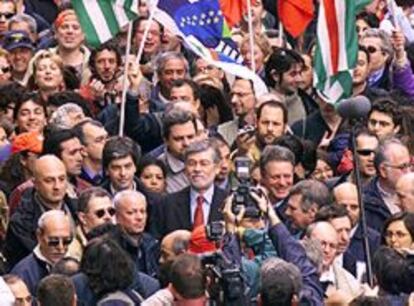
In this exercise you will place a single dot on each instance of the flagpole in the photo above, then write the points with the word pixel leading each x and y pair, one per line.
pixel 125 80
pixel 281 34
pixel 251 33
pixel 144 37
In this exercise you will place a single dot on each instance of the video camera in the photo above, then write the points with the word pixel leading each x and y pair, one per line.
pixel 242 196
pixel 226 286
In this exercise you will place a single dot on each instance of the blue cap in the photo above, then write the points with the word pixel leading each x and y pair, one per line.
pixel 17 39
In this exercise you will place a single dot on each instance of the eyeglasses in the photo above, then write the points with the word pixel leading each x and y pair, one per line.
pixel 372 49
pixel 365 152
pixel 101 212
pixel 5 69
pixel 6 15
pixel 401 167
pixel 55 241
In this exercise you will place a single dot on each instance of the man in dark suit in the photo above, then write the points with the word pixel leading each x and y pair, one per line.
pixel 346 195
pixel 198 204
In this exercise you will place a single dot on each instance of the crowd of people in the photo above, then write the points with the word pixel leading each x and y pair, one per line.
pixel 215 194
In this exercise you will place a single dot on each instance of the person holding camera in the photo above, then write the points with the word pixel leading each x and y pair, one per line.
pixel 289 278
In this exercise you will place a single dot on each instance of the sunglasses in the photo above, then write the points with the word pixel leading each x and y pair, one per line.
pixel 101 212
pixel 6 15
pixel 5 69
pixel 365 152
pixel 55 241
pixel 372 49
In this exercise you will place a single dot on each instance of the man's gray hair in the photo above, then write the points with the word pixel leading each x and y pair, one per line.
pixel 24 18
pixel 53 213
pixel 275 153
pixel 312 192
pixel 202 146
pixel 60 118
pixel 164 57
pixel 128 193
pixel 274 268
pixel 386 44
pixel 381 155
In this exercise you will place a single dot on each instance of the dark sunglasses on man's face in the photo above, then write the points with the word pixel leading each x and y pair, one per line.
pixel 101 212
pixel 372 49
pixel 55 241
pixel 365 152
pixel 6 15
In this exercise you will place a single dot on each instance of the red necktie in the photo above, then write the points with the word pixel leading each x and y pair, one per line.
pixel 199 215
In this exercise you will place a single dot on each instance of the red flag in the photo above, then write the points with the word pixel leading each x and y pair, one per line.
pixel 295 15
pixel 234 10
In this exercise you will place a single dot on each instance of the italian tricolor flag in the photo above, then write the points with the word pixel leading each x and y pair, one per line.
pixel 337 48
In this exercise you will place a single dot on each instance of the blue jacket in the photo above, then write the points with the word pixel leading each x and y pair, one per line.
pixel 290 250
pixel 355 252
pixel 31 270
pixel 376 210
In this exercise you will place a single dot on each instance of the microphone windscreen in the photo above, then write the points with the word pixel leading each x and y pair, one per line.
pixel 354 108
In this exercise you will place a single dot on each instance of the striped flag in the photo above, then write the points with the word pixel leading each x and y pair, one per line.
pixel 337 48
pixel 102 20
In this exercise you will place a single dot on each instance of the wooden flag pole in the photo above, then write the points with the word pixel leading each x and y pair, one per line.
pixel 251 32
pixel 125 80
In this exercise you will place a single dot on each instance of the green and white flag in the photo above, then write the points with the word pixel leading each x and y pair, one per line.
pixel 102 20
pixel 337 48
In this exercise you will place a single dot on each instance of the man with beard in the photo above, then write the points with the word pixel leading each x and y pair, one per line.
pixel 197 204
pixel 105 62
pixel 271 124
pixel 284 75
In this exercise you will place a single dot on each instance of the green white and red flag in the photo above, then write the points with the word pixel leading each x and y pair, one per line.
pixel 337 48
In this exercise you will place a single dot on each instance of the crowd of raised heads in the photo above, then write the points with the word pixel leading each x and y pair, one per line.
pixel 191 187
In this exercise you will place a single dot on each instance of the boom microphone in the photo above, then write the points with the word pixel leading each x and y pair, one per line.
pixel 354 108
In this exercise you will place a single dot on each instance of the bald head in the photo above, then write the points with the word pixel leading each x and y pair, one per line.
pixel 131 211
pixel 174 244
pixel 46 163
pixel 405 192
pixel 326 234
pixel 50 180
pixel 54 234
pixel 346 194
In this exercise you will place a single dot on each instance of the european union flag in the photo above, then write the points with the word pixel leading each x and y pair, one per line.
pixel 203 19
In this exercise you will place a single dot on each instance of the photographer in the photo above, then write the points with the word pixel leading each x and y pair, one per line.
pixel 287 280
pixel 246 243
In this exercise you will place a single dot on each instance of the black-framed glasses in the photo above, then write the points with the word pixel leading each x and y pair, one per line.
pixel 101 212
pixel 56 241
pixel 365 152
pixel 5 69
